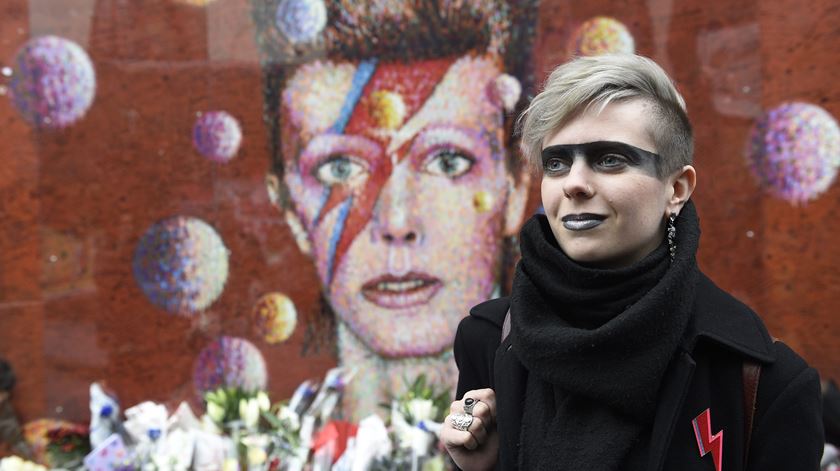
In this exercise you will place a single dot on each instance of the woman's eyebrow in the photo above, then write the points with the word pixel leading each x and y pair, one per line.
pixel 587 148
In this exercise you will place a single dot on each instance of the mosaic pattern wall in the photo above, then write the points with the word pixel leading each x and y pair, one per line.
pixel 248 193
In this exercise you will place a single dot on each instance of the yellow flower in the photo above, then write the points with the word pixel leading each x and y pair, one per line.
pixel 230 464
pixel 256 456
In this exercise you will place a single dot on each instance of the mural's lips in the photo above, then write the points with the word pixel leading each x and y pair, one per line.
pixel 396 292
pixel 582 221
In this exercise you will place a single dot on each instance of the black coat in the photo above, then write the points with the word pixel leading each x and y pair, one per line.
pixel 705 373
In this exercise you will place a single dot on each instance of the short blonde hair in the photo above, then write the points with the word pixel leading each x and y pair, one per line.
pixel 599 80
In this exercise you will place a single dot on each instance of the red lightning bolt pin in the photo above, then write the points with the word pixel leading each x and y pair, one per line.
pixel 706 442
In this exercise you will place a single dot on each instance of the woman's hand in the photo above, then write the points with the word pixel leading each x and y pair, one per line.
pixel 477 447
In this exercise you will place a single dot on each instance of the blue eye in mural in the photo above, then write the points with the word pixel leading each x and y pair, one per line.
pixel 229 362
pixel 217 135
pixel 274 317
pixel 53 83
pixel 601 35
pixel 794 151
pixel 181 264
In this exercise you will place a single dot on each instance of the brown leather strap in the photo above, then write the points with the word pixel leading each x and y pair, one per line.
pixel 506 326
pixel 751 374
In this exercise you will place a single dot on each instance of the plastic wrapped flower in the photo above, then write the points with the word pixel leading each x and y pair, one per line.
pixel 251 409
pixel 228 405
pixel 16 463
pixel 423 401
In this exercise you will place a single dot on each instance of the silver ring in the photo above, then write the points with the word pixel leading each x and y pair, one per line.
pixel 469 405
pixel 461 422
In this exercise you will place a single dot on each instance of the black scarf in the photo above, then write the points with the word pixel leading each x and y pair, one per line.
pixel 596 343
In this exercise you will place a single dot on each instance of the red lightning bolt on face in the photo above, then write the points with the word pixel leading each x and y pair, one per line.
pixel 706 442
pixel 415 82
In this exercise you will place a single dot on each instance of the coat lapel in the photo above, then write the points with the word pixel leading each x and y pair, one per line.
pixel 674 389
pixel 721 319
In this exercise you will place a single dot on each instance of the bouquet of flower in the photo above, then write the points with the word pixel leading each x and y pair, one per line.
pixel 231 408
pixel 415 419
pixel 243 431
pixel 286 435
pixel 67 446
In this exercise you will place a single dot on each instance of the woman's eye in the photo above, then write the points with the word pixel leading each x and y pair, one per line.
pixel 449 163
pixel 612 161
pixel 554 165
pixel 338 170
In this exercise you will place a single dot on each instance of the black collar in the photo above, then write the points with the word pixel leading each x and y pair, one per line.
pixel 722 319
pixel 492 310
pixel 718 317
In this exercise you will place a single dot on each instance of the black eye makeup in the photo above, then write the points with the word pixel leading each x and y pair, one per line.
pixel 606 156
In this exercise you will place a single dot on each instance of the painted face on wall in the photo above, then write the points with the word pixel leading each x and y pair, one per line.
pixel 397 175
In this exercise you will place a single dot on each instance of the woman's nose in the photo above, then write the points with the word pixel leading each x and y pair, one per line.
pixel 578 182
pixel 395 221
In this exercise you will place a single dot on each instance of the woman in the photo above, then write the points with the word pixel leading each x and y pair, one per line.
pixel 384 117
pixel 621 354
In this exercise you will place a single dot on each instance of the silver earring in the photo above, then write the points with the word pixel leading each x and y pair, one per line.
pixel 672 235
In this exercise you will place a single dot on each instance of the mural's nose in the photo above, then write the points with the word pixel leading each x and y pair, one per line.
pixel 395 220
pixel 400 236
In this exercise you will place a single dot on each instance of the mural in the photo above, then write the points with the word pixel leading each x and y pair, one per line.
pixel 393 162
pixel 274 317
pixel 601 35
pixel 53 82
pixel 229 362
pixel 181 264
pixel 217 135
pixel 794 151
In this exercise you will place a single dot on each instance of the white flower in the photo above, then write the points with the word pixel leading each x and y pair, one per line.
pixel 411 435
pixel 249 412
pixel 400 426
pixel 215 412
pixel 372 442
pixel 287 415
pixel 209 426
pixel 262 400
pixel 15 463
pixel 421 409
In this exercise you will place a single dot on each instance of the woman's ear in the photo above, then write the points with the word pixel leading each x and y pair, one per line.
pixel 517 198
pixel 272 185
pixel 682 185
